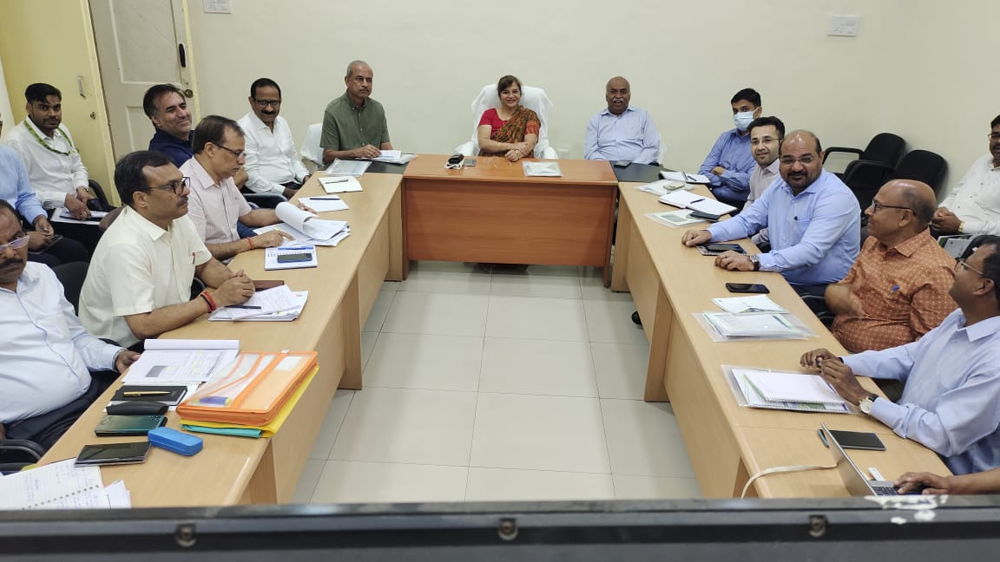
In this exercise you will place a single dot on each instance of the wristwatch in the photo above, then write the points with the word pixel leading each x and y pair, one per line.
pixel 755 260
pixel 867 402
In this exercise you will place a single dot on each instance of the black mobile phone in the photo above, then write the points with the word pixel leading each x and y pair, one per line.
pixel 854 440
pixel 119 424
pixel 703 215
pixel 113 453
pixel 292 258
pixel 622 163
pixel 719 249
pixel 747 288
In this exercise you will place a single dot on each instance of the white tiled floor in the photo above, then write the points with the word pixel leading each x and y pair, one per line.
pixel 501 386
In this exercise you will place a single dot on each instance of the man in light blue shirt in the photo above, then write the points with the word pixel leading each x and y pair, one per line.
pixel 621 132
pixel 951 375
pixel 812 218
pixel 729 163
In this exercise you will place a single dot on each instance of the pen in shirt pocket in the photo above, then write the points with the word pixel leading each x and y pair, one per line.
pixel 894 289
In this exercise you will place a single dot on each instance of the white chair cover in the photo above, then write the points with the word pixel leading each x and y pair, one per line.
pixel 532 97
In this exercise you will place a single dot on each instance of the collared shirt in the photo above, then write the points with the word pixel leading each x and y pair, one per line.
pixel 903 291
pixel 46 351
pixel 814 235
pixel 949 401
pixel 271 156
pixel 630 136
pixel 347 126
pixel 976 199
pixel 137 268
pixel 52 173
pixel 213 207
pixel 178 150
pixel 732 152
pixel 760 180
pixel 14 186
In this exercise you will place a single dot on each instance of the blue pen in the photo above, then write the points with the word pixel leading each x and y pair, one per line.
pixel 299 248
pixel 894 288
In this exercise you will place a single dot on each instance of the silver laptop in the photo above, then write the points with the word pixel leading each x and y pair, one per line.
pixel 855 480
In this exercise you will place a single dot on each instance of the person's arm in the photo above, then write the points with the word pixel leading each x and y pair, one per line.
pixel 27 202
pixel 213 273
pixel 744 224
pixel 255 181
pixel 486 143
pixel 931 303
pixel 736 178
pixel 987 482
pixel 650 142
pixel 80 178
pixel 269 239
pixel 841 300
pixel 385 146
pixel 833 216
pixel 712 160
pixel 590 146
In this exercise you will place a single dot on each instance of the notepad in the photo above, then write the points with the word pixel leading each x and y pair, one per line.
pixel 756 303
pixel 180 362
pixel 324 204
pixel 348 167
pixel 793 387
pixel 340 184
pixel 686 178
pixel 279 304
pixel 687 200
pixel 675 218
pixel 394 157
pixel 548 168
pixel 756 325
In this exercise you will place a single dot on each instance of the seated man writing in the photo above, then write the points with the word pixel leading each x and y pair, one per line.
pixel 139 282
pixel 45 382
pixel 951 375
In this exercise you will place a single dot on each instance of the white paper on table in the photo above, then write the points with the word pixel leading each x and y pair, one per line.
pixel 118 495
pixel 793 387
pixel 325 204
pixel 348 167
pixel 674 218
pixel 393 157
pixel 300 238
pixel 271 255
pixel 755 303
pixel 752 325
pixel 340 184
pixel 62 214
pixel 687 200
pixel 308 223
pixel 180 362
pixel 276 299
pixel 749 396
pixel 661 187
pixel 686 178
pixel 547 168
pixel 56 485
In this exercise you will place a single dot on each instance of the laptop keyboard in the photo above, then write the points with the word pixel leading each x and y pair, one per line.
pixel 884 490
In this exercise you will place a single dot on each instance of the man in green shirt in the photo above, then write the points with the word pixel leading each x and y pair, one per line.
pixel 354 124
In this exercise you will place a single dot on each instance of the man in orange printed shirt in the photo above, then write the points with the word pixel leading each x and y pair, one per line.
pixel 897 290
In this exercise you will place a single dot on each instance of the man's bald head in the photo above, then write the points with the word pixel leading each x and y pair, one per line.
pixel 916 195
pixel 618 92
pixel 801 160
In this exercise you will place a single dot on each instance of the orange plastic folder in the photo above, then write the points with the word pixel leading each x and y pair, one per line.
pixel 251 390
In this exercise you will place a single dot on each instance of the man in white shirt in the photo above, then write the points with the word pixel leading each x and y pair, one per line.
pixel 766 134
pixel 55 169
pixel 139 282
pixel 272 163
pixel 216 202
pixel 621 133
pixel 45 362
pixel 973 206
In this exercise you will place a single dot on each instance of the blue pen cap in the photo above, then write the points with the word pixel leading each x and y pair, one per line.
pixel 175 441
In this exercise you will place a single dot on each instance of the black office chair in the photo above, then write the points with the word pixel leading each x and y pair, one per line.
pixel 262 200
pixel 72 276
pixel 884 148
pixel 101 203
pixel 922 165
pixel 16 454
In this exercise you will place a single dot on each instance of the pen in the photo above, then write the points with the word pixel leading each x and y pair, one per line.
pixel 323 198
pixel 697 200
pixel 299 248
pixel 338 180
pixel 244 306
pixel 132 393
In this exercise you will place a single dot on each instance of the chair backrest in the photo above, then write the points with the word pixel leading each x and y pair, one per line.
pixel 922 165
pixel 532 97
pixel 310 149
pixel 885 148
pixel 72 275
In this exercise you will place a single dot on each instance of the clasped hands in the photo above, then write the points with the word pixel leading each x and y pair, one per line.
pixel 836 373
pixel 76 203
pixel 732 261
pixel 945 222
pixel 519 150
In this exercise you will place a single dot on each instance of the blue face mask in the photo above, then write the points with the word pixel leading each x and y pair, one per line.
pixel 742 120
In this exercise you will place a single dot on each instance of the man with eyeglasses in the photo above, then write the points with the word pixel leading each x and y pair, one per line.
pixel 139 283
pixel 354 125
pixel 272 163
pixel 897 290
pixel 216 202
pixel 973 206
pixel 951 374
pixel 45 379
pixel 813 221
pixel 766 134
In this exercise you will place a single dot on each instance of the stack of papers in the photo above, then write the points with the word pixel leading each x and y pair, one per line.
pixel 62 214
pixel 687 200
pixel 686 178
pixel 786 391
pixel 324 204
pixel 674 218
pixel 61 486
pixel 661 187
pixel 756 303
pixel 394 157
pixel 348 167
pixel 306 228
pixel 753 325
pixel 340 184
pixel 180 362
pixel 546 168
pixel 279 304
pixel 290 257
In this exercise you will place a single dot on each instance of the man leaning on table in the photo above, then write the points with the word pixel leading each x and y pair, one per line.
pixel 813 221
pixel 45 380
pixel 215 202
pixel 139 282
pixel 272 163
pixel 621 132
pixel 897 290
pixel 354 125
pixel 951 375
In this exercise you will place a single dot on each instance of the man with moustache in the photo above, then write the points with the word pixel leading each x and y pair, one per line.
pixel 729 163
pixel 272 163
pixel 973 206
pixel 216 203
pixel 167 109
pixel 766 134
pixel 354 125
pixel 621 132
pixel 45 362
pixel 139 283
pixel 812 218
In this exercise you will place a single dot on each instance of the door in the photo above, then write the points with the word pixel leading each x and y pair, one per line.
pixel 140 43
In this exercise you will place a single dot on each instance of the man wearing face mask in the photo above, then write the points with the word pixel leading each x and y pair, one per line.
pixel 729 163
pixel 273 166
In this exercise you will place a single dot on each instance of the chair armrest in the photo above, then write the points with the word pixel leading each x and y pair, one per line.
pixel 467 148
pixel 847 149
pixel 25 451
pixel 264 200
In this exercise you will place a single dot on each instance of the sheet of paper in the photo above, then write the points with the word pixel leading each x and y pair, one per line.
pixel 164 364
pixel 62 214
pixel 348 167
pixel 793 387
pixel 394 157
pixel 661 187
pixel 546 168
pixel 755 303
pixel 674 218
pixel 118 495
pixel 753 398
pixel 325 204
pixel 298 297
pixel 278 299
pixel 56 485
pixel 340 184
pixel 308 223
pixel 687 200
pixel 686 178
pixel 302 239
pixel 752 325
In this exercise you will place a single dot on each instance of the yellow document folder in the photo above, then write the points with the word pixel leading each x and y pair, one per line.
pixel 251 390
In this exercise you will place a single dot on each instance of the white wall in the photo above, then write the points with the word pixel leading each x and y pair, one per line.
pixel 915 68
pixel 5 112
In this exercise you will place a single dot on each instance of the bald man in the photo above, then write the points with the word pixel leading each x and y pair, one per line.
pixel 897 290
pixel 621 133
pixel 354 125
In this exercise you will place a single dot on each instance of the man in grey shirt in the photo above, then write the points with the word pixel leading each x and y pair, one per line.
pixel 354 125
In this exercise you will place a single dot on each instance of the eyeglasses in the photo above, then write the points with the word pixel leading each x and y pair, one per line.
pixel 805 160
pixel 14 244
pixel 994 136
pixel 965 265
pixel 264 103
pixel 177 186
pixel 876 206
pixel 237 153
pixel 756 141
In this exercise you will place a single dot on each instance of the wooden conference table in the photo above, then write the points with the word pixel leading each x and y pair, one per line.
pixel 728 443
pixel 342 291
